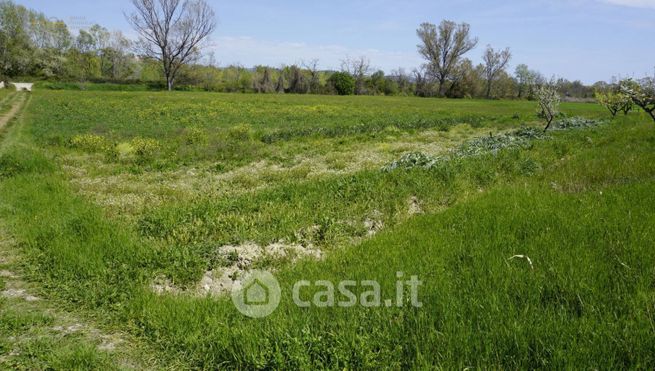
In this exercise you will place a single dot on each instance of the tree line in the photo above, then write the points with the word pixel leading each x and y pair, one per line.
pixel 173 32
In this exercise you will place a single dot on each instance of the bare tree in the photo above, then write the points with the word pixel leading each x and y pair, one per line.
pixel 401 78
pixel 117 54
pixel 494 63
pixel 359 68
pixel 423 84
pixel 443 47
pixel 172 31
pixel 314 79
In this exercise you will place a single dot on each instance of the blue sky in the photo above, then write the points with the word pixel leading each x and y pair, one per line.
pixel 589 40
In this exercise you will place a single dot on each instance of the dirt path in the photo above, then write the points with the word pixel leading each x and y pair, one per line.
pixel 17 102
pixel 30 321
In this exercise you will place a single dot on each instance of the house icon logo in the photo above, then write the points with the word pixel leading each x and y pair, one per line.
pixel 257 295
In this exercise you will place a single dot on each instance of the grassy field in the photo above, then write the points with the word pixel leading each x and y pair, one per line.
pixel 109 197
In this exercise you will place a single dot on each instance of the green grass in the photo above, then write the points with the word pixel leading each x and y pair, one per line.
pixel 217 127
pixel 5 100
pixel 578 204
pixel 28 337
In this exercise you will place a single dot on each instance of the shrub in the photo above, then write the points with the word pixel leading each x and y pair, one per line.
pixel 195 135
pixel 144 148
pixel 343 83
pixel 242 132
pixel 140 150
pixel 89 143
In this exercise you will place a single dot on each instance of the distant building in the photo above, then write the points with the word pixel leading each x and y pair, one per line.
pixel 2 84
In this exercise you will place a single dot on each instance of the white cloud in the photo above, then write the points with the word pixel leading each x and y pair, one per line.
pixel 633 3
pixel 249 51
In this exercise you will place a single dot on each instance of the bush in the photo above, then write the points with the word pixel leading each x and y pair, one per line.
pixel 195 135
pixel 242 132
pixel 343 83
pixel 144 148
pixel 89 143
pixel 139 150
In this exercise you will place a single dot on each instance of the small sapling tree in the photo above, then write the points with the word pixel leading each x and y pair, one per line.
pixel 549 101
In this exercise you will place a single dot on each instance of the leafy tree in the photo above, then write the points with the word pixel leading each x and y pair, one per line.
pixel 443 48
pixel 527 81
pixel 495 62
pixel 265 83
pixel 343 83
pixel 465 81
pixel 549 101
pixel 615 102
pixel 377 83
pixel 16 46
pixel 504 86
pixel 279 86
pixel 297 82
pixel 358 68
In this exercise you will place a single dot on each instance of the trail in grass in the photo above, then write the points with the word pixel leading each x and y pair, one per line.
pixel 29 320
pixel 17 102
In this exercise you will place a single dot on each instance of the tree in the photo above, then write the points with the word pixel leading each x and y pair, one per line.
pixel 642 94
pixel 172 31
pixel 314 77
pixel 423 86
pixel 297 82
pixel 115 61
pixel 377 84
pixel 16 46
pixel 524 79
pixel 402 79
pixel 265 84
pixel 615 102
pixel 279 86
pixel 494 63
pixel 549 101
pixel 343 83
pixel 358 68
pixel 443 48
pixel 465 81
pixel 527 81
